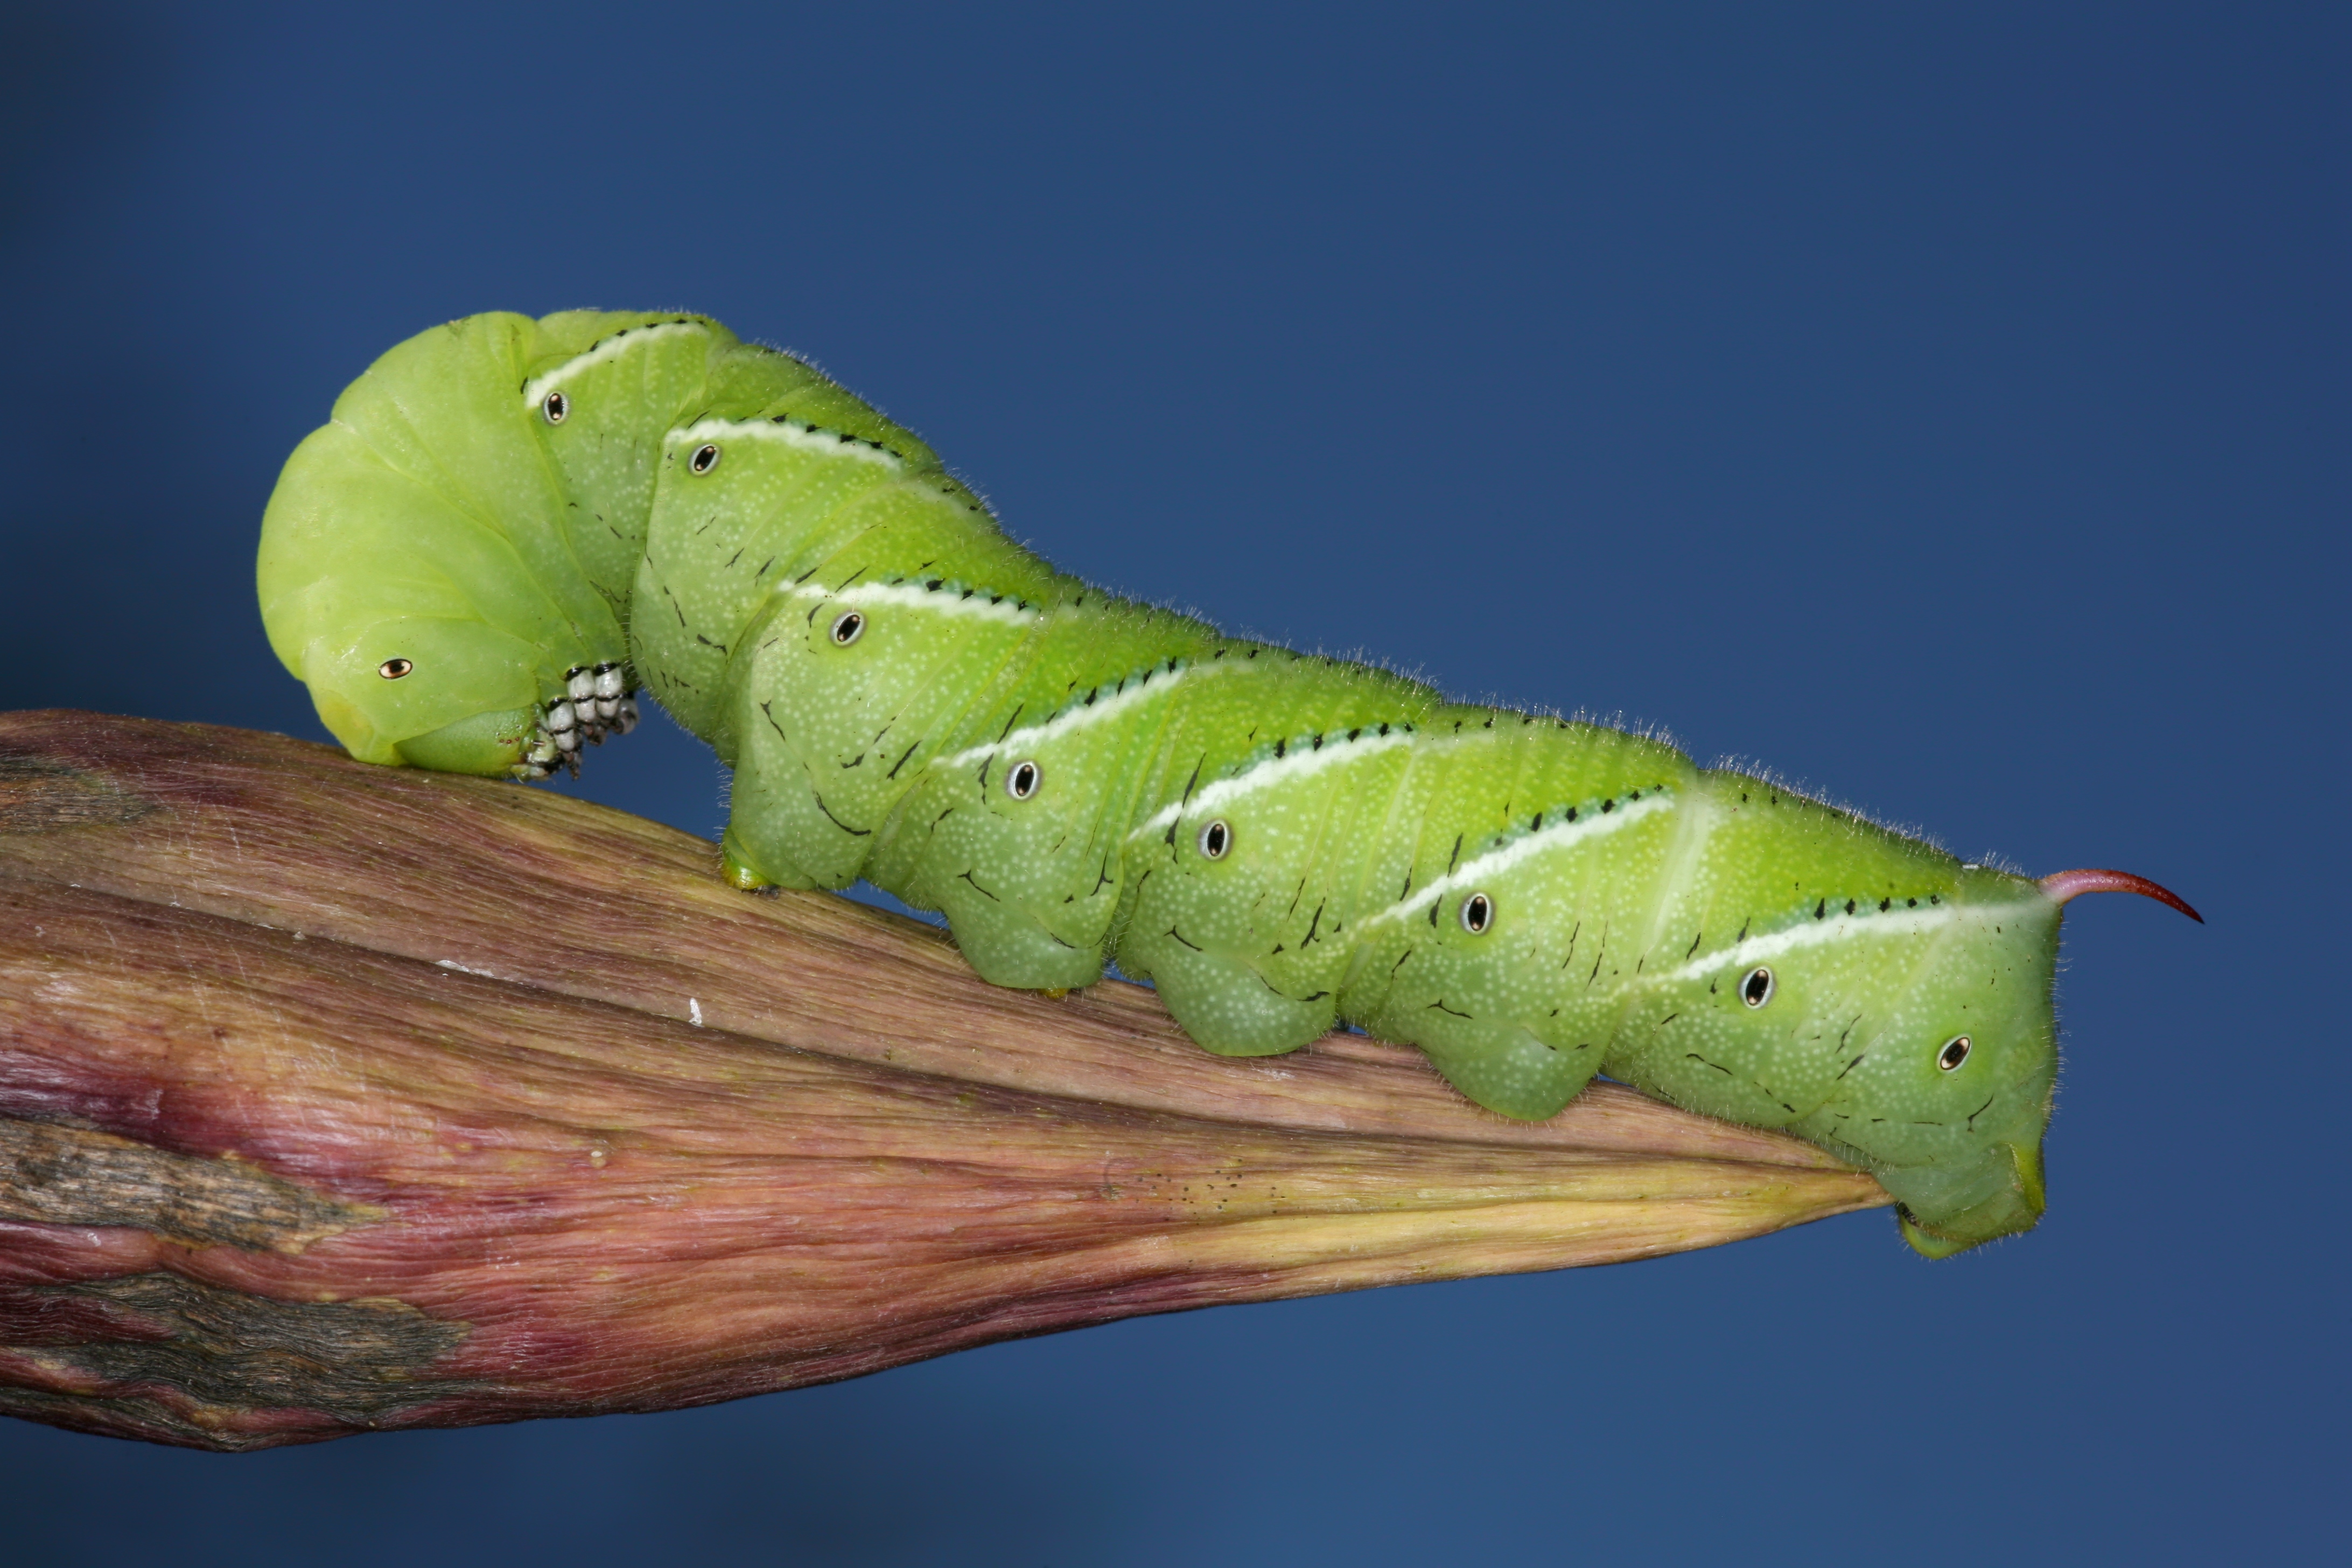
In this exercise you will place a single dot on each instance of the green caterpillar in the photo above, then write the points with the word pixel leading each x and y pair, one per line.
pixel 508 525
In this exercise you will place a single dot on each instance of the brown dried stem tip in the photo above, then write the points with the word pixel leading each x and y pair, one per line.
pixel 336 1098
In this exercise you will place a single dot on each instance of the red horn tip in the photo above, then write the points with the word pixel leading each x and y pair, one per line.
pixel 2063 885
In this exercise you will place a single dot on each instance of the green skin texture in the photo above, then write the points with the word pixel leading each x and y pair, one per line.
pixel 444 519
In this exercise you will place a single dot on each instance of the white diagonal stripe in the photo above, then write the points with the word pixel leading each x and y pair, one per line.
pixel 789 433
pixel 1815 933
pixel 546 381
pixel 1559 836
pixel 1296 764
pixel 909 596
pixel 1076 718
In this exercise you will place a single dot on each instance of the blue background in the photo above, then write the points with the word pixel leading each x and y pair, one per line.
pixel 1946 406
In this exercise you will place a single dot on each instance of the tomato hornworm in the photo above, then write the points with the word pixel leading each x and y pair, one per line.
pixel 510 527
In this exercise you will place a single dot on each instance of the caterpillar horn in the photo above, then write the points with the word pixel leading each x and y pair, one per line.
pixel 2061 886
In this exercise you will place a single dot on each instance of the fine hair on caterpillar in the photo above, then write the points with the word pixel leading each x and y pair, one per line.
pixel 534 520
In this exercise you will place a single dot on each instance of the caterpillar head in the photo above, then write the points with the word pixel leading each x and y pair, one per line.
pixel 417 568
pixel 452 695
pixel 460 696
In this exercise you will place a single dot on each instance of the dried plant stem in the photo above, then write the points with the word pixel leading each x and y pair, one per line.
pixel 335 1097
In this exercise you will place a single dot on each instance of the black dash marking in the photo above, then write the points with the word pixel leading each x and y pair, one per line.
pixel 1179 936
pixel 901 761
pixel 853 832
pixel 991 897
pixel 1441 1006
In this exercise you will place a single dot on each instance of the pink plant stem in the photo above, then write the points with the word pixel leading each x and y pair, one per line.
pixel 335 1097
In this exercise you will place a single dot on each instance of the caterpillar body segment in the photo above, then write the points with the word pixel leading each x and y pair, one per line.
pixel 507 520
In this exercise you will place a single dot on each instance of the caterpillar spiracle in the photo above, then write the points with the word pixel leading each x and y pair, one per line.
pixel 509 526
